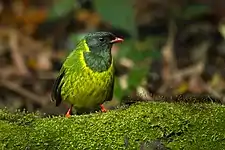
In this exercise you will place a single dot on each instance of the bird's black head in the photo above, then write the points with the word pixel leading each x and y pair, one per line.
pixel 101 41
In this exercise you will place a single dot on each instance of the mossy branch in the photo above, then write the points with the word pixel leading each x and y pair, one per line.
pixel 175 125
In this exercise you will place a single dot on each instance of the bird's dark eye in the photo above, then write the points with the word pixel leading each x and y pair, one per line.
pixel 101 39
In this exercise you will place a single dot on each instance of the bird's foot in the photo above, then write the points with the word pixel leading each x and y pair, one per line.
pixel 68 115
pixel 103 109
pixel 69 112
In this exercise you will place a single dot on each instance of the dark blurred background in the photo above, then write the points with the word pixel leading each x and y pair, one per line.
pixel 174 50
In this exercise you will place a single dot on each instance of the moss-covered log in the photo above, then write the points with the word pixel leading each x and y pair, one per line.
pixel 176 126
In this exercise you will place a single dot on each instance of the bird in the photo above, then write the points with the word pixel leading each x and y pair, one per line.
pixel 86 79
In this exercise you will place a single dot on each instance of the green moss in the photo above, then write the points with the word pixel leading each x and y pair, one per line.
pixel 176 125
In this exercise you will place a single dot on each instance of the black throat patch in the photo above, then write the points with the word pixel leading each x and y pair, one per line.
pixel 98 62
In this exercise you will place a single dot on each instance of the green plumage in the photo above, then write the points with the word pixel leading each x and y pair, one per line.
pixel 86 78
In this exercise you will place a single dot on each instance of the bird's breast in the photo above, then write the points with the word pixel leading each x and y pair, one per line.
pixel 87 88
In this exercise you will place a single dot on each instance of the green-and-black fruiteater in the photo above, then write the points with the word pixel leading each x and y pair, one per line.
pixel 86 79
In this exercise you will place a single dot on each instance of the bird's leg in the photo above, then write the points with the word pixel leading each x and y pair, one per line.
pixel 69 112
pixel 103 109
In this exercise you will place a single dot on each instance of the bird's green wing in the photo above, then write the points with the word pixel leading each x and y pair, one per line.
pixel 56 90
pixel 69 62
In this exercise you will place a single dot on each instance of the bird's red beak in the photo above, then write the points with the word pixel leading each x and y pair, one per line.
pixel 116 40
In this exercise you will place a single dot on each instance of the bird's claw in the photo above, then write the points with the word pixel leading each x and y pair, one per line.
pixel 103 109
pixel 68 113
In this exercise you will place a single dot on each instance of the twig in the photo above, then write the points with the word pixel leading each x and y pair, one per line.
pixel 195 69
pixel 47 75
pixel 169 58
pixel 180 75
pixel 23 92
pixel 215 93
pixel 168 52
pixel 17 58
